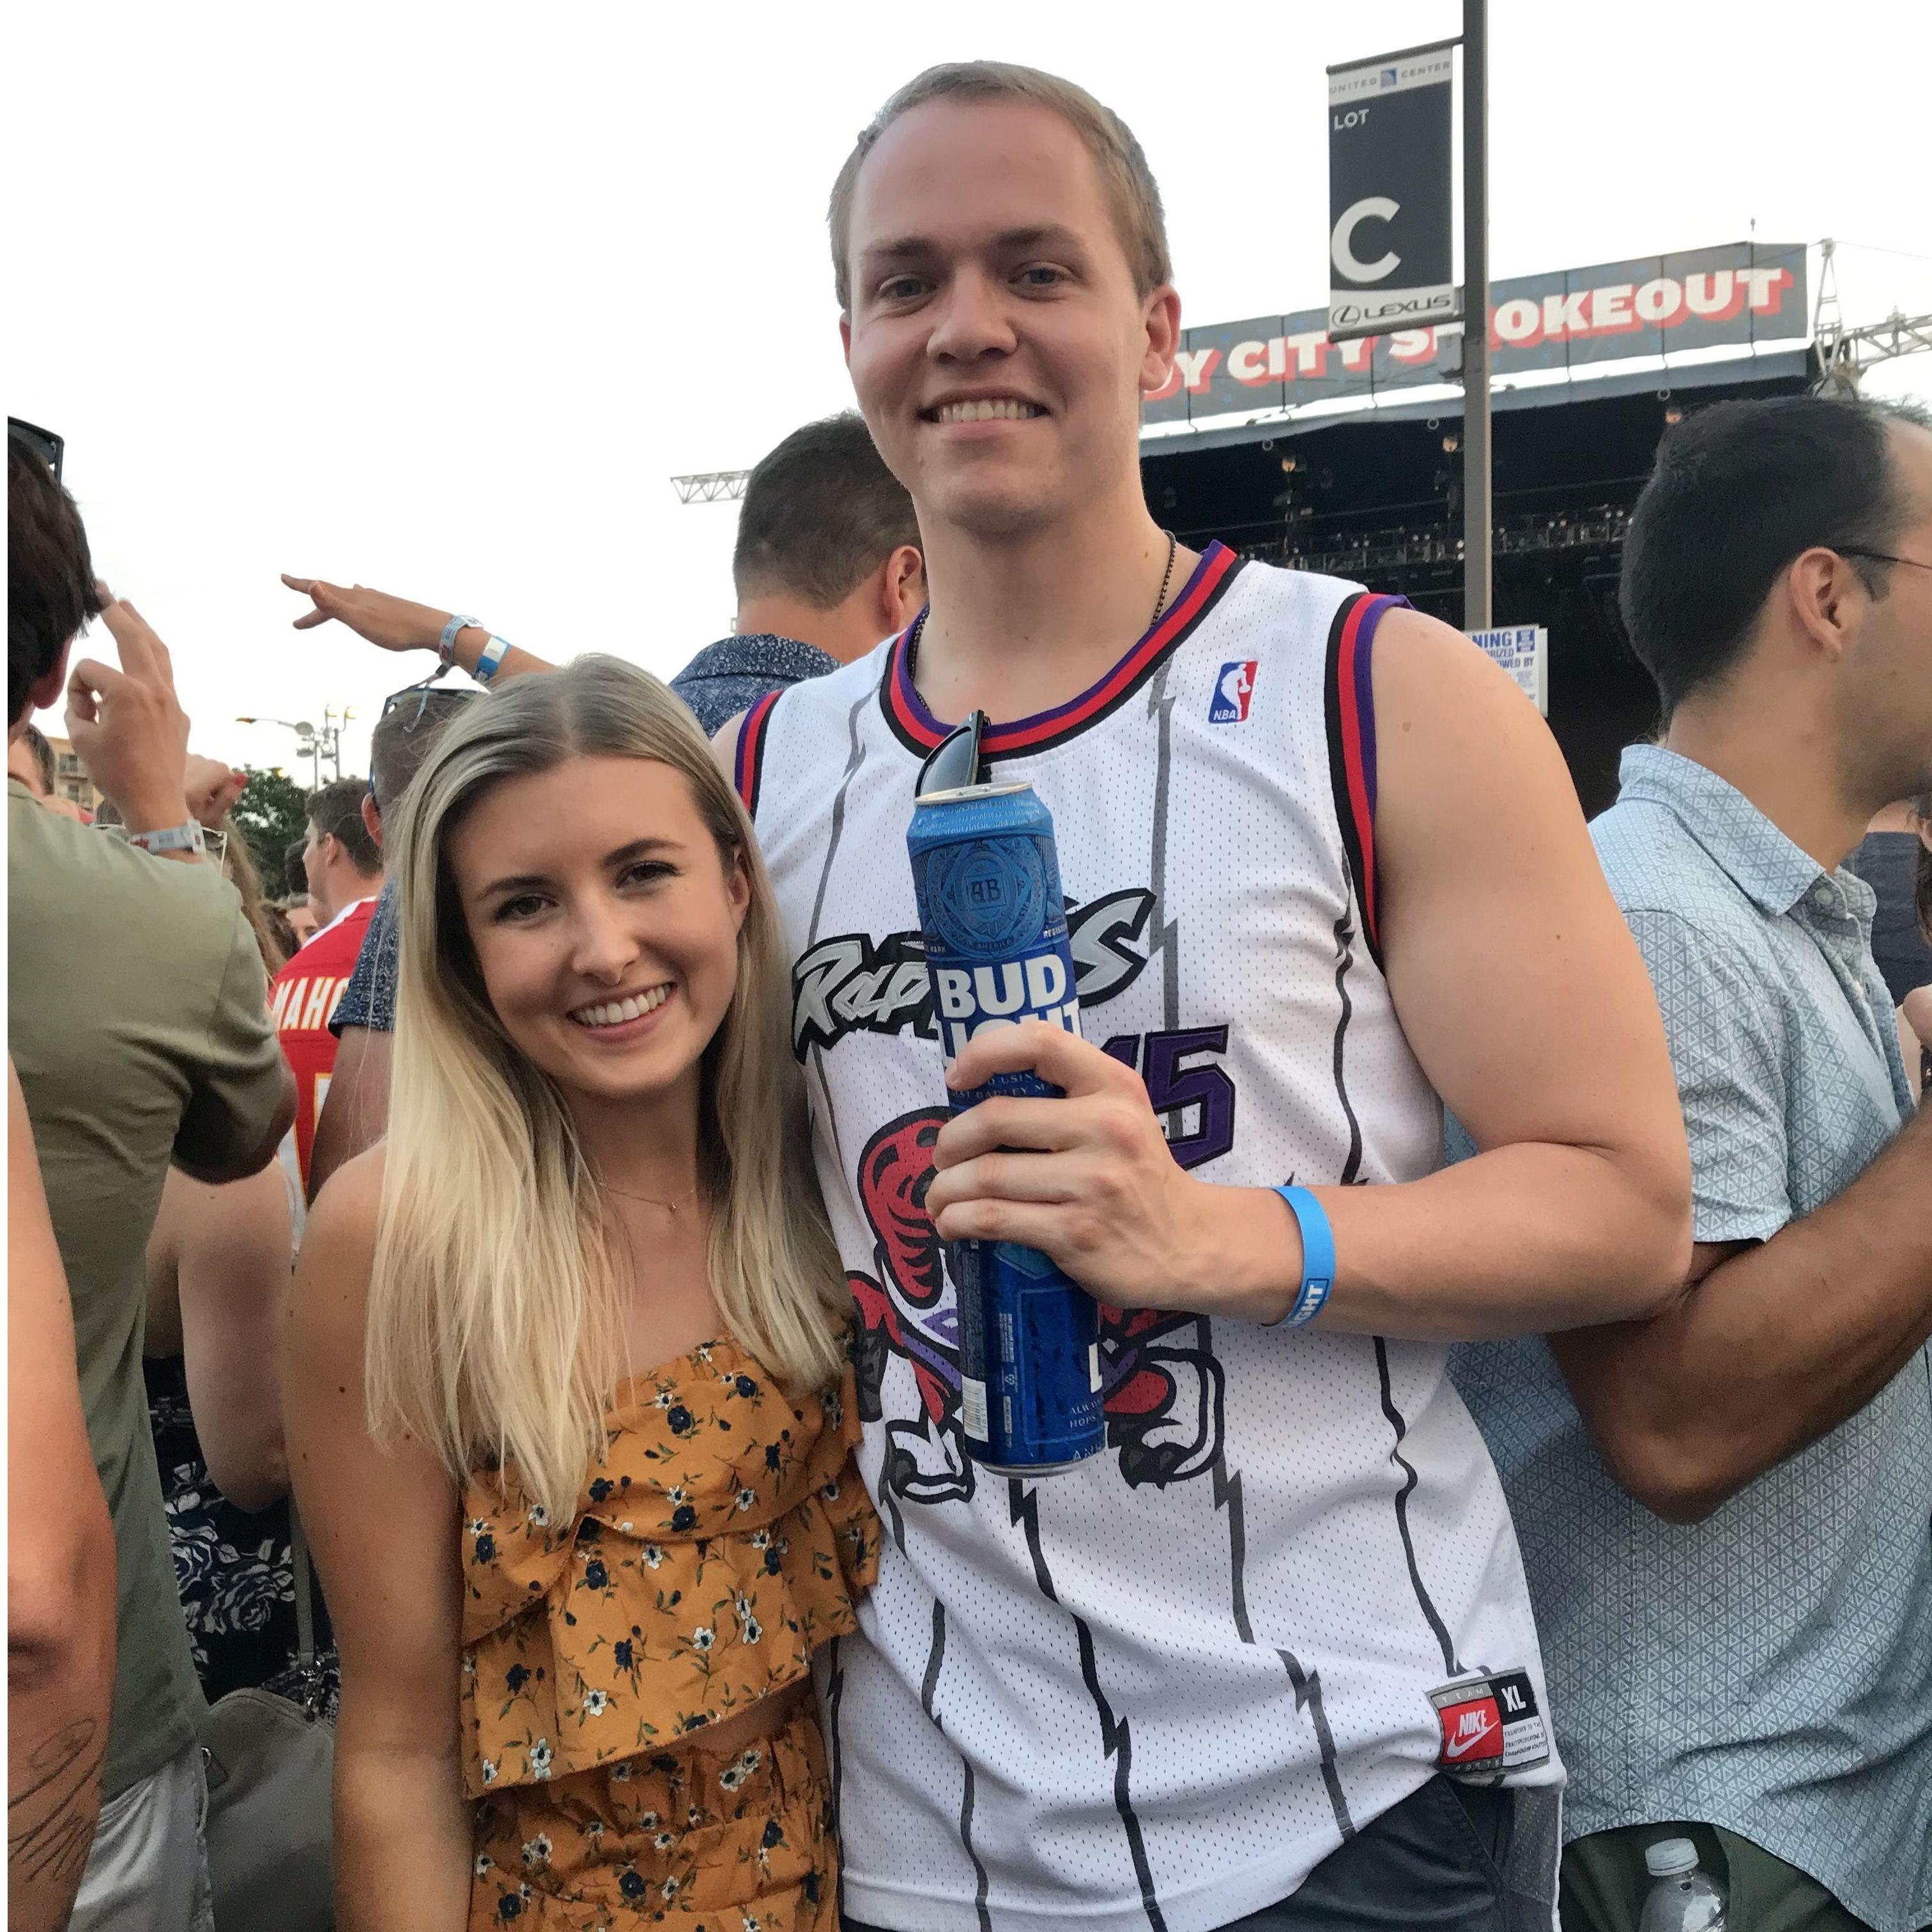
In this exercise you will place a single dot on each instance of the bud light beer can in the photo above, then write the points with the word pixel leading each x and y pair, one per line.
pixel 987 875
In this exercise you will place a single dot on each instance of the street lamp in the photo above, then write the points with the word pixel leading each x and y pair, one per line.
pixel 307 745
pixel 314 744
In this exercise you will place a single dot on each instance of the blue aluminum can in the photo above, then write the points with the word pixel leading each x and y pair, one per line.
pixel 987 875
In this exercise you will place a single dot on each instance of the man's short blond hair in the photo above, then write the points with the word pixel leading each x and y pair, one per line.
pixel 1128 181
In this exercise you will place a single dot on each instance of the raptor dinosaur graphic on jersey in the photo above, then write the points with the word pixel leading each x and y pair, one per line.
pixel 1162 1384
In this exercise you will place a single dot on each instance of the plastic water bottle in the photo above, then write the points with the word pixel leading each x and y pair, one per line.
pixel 1683 1899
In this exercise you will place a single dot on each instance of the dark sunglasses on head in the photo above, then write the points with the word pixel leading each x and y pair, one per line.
pixel 449 701
pixel 43 443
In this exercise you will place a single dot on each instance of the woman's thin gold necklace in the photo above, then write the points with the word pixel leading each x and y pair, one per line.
pixel 670 1206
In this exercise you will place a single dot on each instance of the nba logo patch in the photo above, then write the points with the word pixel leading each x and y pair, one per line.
pixel 1234 690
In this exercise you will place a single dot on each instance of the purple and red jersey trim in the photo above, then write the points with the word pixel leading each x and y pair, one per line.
pixel 919 730
pixel 748 763
pixel 1350 702
pixel 1352 748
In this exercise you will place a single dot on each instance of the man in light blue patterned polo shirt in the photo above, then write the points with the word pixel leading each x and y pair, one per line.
pixel 1727 1513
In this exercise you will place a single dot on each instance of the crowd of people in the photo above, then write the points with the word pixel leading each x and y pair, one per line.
pixel 542 1216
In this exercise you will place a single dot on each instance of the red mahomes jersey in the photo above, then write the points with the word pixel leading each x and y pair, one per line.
pixel 301 999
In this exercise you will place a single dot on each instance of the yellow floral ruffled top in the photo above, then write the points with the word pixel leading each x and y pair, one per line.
pixel 723 1536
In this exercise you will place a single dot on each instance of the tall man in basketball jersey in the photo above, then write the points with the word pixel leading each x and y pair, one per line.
pixel 1323 865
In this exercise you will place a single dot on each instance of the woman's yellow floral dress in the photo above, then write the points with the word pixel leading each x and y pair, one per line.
pixel 723 1538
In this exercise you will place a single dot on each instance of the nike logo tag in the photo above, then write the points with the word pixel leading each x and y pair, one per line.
pixel 1489 1725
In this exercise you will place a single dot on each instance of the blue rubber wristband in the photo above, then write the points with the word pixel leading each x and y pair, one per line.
pixel 492 656
pixel 1317 1257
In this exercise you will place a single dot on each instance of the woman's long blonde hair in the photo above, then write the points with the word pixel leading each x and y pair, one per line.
pixel 495 1310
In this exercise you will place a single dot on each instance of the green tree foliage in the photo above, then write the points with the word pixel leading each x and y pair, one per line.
pixel 272 813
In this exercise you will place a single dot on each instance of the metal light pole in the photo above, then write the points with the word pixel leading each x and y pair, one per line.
pixel 308 744
pixel 334 724
pixel 1476 462
pixel 314 743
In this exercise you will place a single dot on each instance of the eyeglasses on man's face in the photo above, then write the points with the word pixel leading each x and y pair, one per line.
pixel 1880 556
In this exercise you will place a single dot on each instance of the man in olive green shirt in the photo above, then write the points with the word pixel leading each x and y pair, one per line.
pixel 138 1022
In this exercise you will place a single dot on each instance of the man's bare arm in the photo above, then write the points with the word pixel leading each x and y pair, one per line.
pixel 356 1110
pixel 1498 929
pixel 218 1264
pixel 1772 1346
pixel 60 1568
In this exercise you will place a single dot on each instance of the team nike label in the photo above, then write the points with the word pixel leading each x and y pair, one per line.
pixel 1489 1725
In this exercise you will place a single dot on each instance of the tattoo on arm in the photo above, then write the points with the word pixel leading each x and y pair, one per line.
pixel 50 1821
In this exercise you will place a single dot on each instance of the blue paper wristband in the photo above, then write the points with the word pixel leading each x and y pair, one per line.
pixel 493 655
pixel 1317 1257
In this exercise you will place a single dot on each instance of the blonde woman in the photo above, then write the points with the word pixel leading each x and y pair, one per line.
pixel 569 1416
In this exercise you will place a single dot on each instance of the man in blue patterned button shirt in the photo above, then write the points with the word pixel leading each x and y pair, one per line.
pixel 1727 1512
pixel 826 563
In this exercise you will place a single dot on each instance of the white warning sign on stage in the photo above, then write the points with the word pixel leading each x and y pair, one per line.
pixel 1523 651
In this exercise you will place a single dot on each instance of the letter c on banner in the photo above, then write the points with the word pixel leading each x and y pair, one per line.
pixel 1341 243
pixel 1247 362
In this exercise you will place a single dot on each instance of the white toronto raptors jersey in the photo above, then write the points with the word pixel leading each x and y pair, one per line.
pixel 1156 1689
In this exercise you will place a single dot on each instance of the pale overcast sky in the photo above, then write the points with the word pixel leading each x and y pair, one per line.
pixel 438 298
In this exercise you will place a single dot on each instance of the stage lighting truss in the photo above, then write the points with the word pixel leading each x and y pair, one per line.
pixel 715 486
pixel 1600 527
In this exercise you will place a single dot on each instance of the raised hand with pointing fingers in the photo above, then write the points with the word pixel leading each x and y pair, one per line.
pixel 395 624
pixel 390 623
pixel 127 725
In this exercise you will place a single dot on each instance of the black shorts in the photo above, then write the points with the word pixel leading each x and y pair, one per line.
pixel 1450 1858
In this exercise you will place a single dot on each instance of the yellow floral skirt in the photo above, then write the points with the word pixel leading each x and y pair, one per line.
pixel 683 1838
